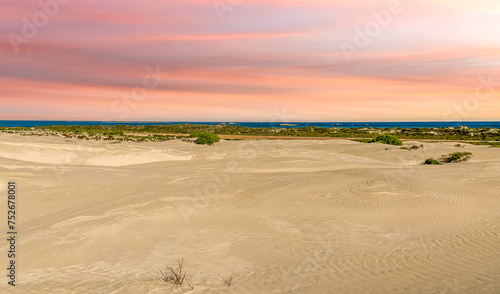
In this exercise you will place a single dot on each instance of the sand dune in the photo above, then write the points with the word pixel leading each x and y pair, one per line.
pixel 296 216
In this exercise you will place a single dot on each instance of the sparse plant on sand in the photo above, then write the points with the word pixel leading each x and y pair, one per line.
pixel 175 276
pixel 457 157
pixel 450 158
pixel 363 140
pixel 227 281
pixel 405 148
pixel 432 161
pixel 388 139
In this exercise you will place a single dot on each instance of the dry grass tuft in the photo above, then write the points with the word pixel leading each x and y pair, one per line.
pixel 227 281
pixel 176 276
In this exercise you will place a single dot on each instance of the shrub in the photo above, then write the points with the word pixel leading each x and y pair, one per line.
pixel 432 161
pixel 388 139
pixel 405 148
pixel 363 140
pixel 205 138
pixel 458 157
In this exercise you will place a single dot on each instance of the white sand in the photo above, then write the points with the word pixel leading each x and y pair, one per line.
pixel 283 216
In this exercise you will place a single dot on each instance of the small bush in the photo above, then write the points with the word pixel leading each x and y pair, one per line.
pixel 405 148
pixel 363 140
pixel 432 161
pixel 205 138
pixel 388 139
pixel 458 157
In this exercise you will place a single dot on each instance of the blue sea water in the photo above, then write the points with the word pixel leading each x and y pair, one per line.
pixel 436 124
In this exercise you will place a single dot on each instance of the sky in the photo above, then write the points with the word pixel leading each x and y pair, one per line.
pixel 250 60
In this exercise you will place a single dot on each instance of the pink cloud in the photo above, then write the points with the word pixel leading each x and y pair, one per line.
pixel 263 55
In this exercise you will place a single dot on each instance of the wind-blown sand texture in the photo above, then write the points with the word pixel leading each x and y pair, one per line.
pixel 283 216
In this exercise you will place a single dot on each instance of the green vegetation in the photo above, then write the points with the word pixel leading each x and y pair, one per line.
pixel 363 140
pixel 492 144
pixel 432 161
pixel 10 130
pixel 205 138
pixel 388 139
pixel 450 158
pixel 118 132
pixel 457 157
pixel 414 147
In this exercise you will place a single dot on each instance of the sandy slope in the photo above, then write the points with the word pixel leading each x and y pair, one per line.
pixel 284 216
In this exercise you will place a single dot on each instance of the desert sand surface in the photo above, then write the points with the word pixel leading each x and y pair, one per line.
pixel 297 216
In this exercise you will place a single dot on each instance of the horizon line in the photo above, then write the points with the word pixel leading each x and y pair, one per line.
pixel 234 121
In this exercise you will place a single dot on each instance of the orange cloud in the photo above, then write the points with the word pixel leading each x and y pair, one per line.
pixel 263 55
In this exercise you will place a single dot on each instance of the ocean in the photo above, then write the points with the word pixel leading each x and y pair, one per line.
pixel 423 124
